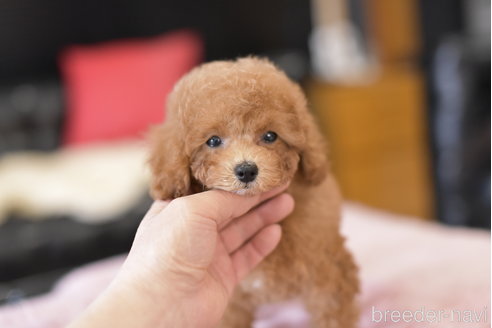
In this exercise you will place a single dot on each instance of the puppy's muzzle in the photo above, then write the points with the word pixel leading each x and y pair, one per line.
pixel 246 171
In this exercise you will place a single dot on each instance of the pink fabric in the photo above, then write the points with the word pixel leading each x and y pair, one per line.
pixel 405 265
pixel 409 265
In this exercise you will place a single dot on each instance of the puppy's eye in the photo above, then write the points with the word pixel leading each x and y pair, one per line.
pixel 269 137
pixel 214 141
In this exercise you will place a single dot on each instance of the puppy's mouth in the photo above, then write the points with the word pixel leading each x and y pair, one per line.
pixel 248 189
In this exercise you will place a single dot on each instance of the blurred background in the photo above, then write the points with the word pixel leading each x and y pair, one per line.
pixel 401 88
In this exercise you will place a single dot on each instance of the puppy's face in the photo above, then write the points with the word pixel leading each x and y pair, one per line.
pixel 246 154
pixel 238 126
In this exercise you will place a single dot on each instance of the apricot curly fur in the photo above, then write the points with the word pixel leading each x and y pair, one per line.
pixel 240 101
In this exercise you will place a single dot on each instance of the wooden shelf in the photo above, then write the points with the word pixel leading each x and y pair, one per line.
pixel 378 140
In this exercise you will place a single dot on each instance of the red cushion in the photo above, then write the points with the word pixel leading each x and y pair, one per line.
pixel 117 89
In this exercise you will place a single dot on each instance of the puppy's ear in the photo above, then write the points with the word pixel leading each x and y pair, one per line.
pixel 168 163
pixel 313 161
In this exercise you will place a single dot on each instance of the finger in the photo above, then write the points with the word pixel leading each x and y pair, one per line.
pixel 221 206
pixel 240 230
pixel 245 259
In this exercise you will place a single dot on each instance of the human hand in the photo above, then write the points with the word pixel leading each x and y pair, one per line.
pixel 187 257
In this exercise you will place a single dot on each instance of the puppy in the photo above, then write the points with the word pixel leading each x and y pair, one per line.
pixel 244 127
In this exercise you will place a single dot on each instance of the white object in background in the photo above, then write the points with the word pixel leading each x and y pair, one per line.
pixel 91 183
pixel 338 55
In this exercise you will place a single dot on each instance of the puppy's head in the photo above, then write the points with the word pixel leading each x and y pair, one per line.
pixel 240 126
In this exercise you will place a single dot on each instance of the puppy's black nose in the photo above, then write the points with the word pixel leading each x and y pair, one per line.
pixel 246 171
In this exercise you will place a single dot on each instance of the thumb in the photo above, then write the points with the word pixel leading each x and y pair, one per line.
pixel 222 206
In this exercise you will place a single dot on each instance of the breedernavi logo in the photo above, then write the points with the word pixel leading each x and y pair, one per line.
pixel 430 315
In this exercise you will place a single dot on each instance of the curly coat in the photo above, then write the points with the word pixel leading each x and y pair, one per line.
pixel 240 101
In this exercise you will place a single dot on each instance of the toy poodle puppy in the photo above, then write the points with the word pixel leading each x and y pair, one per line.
pixel 244 127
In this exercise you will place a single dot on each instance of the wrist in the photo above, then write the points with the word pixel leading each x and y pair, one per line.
pixel 152 307
pixel 125 305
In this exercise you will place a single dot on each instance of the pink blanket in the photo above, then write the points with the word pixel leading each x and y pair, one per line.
pixel 413 274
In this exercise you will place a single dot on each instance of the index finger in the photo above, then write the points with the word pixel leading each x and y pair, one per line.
pixel 222 206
